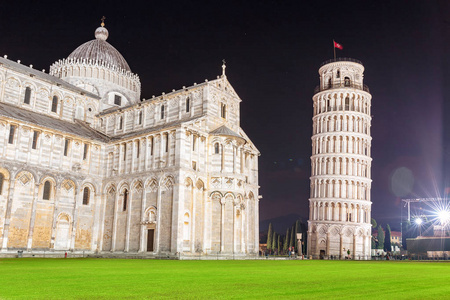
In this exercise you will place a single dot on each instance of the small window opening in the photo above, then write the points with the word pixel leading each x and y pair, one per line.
pixel 188 104
pixel 85 152
pixel 27 96
pixel 125 199
pixel 47 188
pixel 86 194
pixel 2 177
pixel 66 147
pixel 138 148
pixel 167 142
pixel 117 100
pixel 347 81
pixel 12 130
pixel 216 148
pixel 162 111
pixel 223 112
pixel 35 139
pixel 140 118
pixel 120 122
pixel 54 104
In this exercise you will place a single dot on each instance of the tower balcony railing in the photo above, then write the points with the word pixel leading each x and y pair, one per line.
pixel 339 85
pixel 341 59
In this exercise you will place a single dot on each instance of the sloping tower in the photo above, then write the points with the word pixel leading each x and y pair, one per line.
pixel 340 207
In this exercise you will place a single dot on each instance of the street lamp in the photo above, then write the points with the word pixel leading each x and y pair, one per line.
pixel 419 222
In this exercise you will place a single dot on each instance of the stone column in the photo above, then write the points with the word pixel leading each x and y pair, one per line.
pixel 354 245
pixel 158 215
pixel 129 208
pixel 143 227
pixel 341 245
pixel 193 219
pixel 9 198
pixel 222 231
pixel 74 220
pixel 328 244
pixel 33 217
pixel 113 238
pixel 55 215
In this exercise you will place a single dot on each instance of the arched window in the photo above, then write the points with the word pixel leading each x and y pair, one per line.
pixel 55 104
pixel 188 104
pixel 347 81
pixel 47 190
pixel 125 199
pixel 2 177
pixel 338 74
pixel 223 112
pixel 347 103
pixel 186 233
pixel 167 142
pixel 86 195
pixel 162 111
pixel 27 96
pixel 151 145
pixel 329 83
pixel 138 148
pixel 216 148
pixel 151 216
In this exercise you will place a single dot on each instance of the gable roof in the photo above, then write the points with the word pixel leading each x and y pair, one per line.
pixel 77 128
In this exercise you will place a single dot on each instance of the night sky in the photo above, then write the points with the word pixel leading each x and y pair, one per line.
pixel 273 51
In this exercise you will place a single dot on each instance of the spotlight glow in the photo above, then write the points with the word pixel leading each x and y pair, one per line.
pixel 444 216
pixel 418 221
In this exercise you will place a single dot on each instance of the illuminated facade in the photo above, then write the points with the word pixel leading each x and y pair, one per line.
pixel 340 207
pixel 87 165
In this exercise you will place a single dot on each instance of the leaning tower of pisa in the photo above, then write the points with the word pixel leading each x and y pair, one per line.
pixel 339 205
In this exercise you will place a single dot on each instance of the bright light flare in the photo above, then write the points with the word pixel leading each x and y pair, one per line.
pixel 444 216
pixel 418 221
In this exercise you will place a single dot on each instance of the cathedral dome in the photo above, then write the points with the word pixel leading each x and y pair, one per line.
pixel 99 50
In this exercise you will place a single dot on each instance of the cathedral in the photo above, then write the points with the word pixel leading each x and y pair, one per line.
pixel 87 166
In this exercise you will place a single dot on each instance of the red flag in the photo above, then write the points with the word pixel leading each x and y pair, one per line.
pixel 337 45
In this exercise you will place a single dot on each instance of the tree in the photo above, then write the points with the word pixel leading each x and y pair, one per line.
pixel 293 240
pixel 269 237
pixel 387 239
pixel 380 237
pixel 374 223
pixel 374 243
pixel 407 232
pixel 286 241
pixel 274 241
pixel 279 243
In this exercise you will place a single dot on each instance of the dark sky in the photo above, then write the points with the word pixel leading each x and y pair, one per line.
pixel 273 51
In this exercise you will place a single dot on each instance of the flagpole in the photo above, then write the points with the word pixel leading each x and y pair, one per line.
pixel 334 50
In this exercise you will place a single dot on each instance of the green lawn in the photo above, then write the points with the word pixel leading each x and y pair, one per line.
pixel 33 278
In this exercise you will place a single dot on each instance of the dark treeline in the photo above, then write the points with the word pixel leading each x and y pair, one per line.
pixel 279 244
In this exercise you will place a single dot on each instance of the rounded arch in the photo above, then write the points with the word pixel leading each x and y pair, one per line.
pixel 216 194
pixel 5 172
pixel 123 185
pixel 109 187
pixel 189 182
pixel 63 217
pixel 137 184
pixel 200 185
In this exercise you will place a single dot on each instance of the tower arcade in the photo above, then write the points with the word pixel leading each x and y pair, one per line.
pixel 339 205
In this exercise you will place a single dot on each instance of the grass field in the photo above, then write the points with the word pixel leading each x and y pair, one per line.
pixel 33 278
